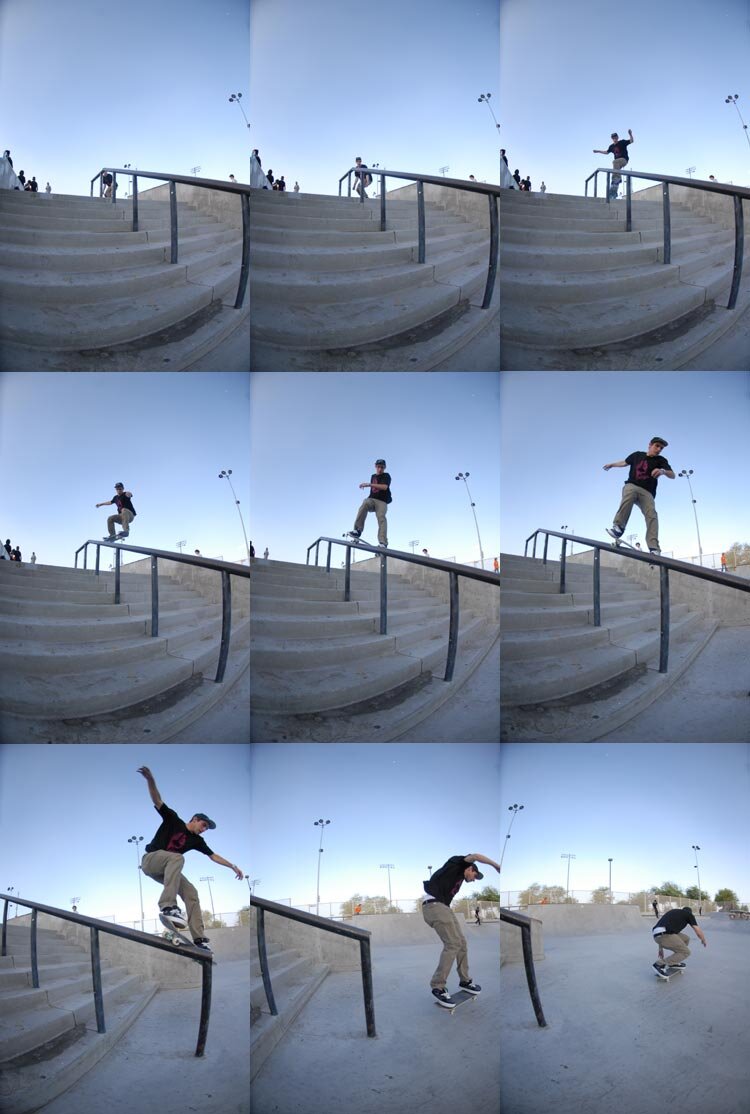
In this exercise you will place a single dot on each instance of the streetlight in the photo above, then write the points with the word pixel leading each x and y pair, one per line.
pixel 733 100
pixel 135 840
pixel 413 543
pixel 610 880
pixel 572 530
pixel 464 476
pixel 209 878
pixel 696 848
pixel 486 98
pixel 320 852
pixel 226 475
pixel 389 867
pixel 567 884
pixel 687 473
pixel 237 97
pixel 514 809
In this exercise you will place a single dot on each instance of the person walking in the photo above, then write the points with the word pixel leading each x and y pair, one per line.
pixel 640 488
pixel 126 512
pixel 496 566
pixel 440 889
pixel 723 562
pixel 164 859
pixel 667 933
pixel 377 502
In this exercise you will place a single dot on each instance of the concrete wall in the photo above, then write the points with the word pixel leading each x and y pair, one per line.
pixel 207 582
pixel 511 942
pixel 226 207
pixel 715 601
pixel 717 206
pixel 473 206
pixel 585 919
pixel 482 598
pixel 317 944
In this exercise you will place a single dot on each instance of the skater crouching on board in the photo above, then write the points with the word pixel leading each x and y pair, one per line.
pixel 125 515
pixel 165 858
pixel 377 502
pixel 640 488
pixel 667 933
pixel 440 889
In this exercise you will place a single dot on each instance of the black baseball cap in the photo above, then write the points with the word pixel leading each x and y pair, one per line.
pixel 202 816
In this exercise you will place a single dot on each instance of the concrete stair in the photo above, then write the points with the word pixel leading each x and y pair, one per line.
pixel 76 667
pixel 581 293
pixel 331 292
pixel 565 680
pixel 48 1036
pixel 321 671
pixel 80 290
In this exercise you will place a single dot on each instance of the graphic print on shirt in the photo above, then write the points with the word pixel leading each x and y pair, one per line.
pixel 641 470
pixel 177 843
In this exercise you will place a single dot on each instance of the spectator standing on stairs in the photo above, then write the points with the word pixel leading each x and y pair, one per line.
pixel 126 512
pixel 377 502
pixel 640 488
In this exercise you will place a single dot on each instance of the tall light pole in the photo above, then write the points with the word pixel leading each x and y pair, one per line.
pixel 572 530
pixel 486 98
pixel 567 884
pixel 236 98
pixel 322 824
pixel 226 475
pixel 209 878
pixel 389 867
pixel 687 473
pixel 696 848
pixel 733 100
pixel 610 880
pixel 135 840
pixel 464 476
pixel 514 809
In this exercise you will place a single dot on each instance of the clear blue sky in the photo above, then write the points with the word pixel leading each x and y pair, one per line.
pixel 396 83
pixel 560 428
pixel 600 802
pixel 572 73
pixel 382 804
pixel 67 438
pixel 87 83
pixel 316 436
pixel 89 800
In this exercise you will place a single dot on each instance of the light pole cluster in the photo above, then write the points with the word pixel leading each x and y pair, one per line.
pixel 733 100
pixel 464 476
pixel 687 473
pixel 486 98
pixel 225 475
pixel 322 823
pixel 135 840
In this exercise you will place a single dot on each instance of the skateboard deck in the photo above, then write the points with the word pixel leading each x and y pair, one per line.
pixel 459 998
pixel 176 938
pixel 669 972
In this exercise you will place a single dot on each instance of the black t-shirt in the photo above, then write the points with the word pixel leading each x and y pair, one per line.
pixel 674 921
pixel 173 835
pixel 384 478
pixel 446 882
pixel 362 172
pixel 641 467
pixel 121 501
pixel 619 150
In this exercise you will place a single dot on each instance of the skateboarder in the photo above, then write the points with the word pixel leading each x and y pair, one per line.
pixel 164 860
pixel 441 888
pixel 618 149
pixel 667 933
pixel 378 500
pixel 640 488
pixel 125 515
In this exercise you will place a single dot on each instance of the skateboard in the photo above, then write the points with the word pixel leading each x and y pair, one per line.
pixel 177 939
pixel 353 536
pixel 459 998
pixel 614 186
pixel 672 971
pixel 617 542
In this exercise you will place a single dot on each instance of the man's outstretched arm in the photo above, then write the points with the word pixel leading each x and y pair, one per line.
pixel 617 464
pixel 483 859
pixel 155 795
pixel 223 862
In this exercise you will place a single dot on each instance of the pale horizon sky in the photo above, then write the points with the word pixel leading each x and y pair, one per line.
pixel 397 84
pixel 597 802
pixel 558 430
pixel 573 73
pixel 381 804
pixel 66 438
pixel 316 436
pixel 89 800
pixel 87 84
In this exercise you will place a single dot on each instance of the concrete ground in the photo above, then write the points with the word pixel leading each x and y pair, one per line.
pixel 472 716
pixel 154 1070
pixel 227 722
pixel 709 703
pixel 423 1058
pixel 482 353
pixel 730 353
pixel 620 1039
pixel 232 354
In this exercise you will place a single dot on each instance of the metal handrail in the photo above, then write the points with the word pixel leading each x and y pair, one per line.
pixel 97 926
pixel 492 193
pixel 664 563
pixel 430 562
pixel 520 920
pixel 226 568
pixel 263 906
pixel 204 183
pixel 738 193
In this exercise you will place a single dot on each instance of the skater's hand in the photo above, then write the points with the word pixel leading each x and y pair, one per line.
pixel 146 773
pixel 657 472
pixel 238 872
pixel 364 485
pixel 607 467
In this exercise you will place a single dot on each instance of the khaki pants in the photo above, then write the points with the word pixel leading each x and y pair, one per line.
pixel 379 508
pixel 166 867
pixel 445 923
pixel 632 494
pixel 676 943
pixel 125 517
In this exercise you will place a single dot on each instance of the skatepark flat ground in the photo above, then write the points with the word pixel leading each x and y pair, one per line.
pixel 153 1068
pixel 422 1057
pixel 619 1038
